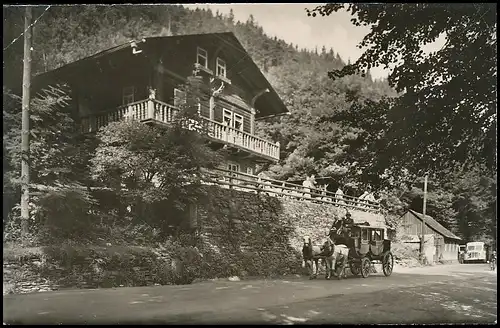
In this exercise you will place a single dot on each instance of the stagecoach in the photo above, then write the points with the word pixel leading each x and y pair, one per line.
pixel 367 245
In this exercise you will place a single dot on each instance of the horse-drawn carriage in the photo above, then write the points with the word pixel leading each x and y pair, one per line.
pixel 367 245
pixel 357 246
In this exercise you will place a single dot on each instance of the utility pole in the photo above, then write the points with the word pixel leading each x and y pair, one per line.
pixel 25 142
pixel 423 218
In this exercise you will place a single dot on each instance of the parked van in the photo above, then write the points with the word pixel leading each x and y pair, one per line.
pixel 476 252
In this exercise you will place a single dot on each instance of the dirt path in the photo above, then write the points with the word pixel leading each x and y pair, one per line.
pixel 393 298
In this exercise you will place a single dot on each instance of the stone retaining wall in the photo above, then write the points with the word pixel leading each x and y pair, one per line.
pixel 257 234
pixel 105 267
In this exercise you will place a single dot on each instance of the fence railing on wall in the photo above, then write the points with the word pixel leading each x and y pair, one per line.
pixel 251 183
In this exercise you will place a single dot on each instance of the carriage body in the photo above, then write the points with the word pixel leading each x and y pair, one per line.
pixel 367 245
pixel 368 241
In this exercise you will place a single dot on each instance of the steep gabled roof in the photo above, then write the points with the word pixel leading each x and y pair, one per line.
pixel 434 225
pixel 251 72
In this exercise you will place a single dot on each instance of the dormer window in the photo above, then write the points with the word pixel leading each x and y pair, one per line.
pixel 128 94
pixel 221 67
pixel 202 57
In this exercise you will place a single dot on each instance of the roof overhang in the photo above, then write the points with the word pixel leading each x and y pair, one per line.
pixel 434 225
pixel 267 104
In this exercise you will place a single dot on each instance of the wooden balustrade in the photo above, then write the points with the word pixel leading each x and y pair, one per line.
pixel 163 112
pixel 240 138
pixel 247 182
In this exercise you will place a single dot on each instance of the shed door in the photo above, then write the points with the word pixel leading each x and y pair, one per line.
pixel 439 243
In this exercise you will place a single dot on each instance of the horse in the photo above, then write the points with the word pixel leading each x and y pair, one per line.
pixel 338 234
pixel 313 253
pixel 340 259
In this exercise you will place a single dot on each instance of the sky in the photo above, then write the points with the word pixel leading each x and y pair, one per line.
pixel 289 21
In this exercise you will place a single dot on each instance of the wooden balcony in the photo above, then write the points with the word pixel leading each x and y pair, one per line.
pixel 155 110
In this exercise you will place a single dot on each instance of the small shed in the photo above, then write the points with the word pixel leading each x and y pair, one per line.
pixel 445 242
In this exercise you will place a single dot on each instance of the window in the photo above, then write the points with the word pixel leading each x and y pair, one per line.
pixel 365 235
pixel 128 94
pixel 202 57
pixel 376 235
pixel 238 122
pixel 249 170
pixel 233 167
pixel 232 119
pixel 227 117
pixel 179 97
pixel 221 67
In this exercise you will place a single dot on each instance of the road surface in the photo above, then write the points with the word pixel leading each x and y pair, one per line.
pixel 440 294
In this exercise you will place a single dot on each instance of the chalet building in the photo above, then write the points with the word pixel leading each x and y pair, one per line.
pixel 443 244
pixel 142 80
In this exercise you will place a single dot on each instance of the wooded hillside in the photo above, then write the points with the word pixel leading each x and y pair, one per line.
pixel 311 141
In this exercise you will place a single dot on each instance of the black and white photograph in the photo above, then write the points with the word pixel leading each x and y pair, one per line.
pixel 250 163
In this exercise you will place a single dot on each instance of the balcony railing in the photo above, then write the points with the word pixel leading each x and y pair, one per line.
pixel 152 109
pixel 242 139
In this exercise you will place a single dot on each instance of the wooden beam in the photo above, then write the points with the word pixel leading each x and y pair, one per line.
pixel 257 95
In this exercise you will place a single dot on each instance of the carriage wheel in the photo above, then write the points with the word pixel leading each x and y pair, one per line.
pixel 387 263
pixel 366 266
pixel 355 268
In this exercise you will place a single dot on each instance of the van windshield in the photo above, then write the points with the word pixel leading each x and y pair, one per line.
pixel 471 248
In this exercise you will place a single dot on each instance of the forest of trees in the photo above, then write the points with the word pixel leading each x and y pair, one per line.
pixel 314 139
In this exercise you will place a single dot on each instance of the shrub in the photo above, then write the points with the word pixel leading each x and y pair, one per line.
pixel 180 264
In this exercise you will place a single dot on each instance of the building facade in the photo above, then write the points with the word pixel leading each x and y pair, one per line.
pixel 143 80
pixel 441 243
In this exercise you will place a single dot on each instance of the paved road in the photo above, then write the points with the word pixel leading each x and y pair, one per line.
pixel 445 294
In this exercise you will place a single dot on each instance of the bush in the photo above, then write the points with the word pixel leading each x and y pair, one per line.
pixel 179 264
pixel 16 253
pixel 405 254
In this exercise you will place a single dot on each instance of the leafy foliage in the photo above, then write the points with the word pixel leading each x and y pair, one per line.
pixel 57 162
pixel 54 155
pixel 446 114
pixel 351 129
pixel 153 168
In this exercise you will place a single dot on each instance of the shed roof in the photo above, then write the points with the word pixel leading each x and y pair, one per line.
pixel 434 225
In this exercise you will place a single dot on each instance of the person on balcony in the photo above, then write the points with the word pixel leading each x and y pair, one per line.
pixel 313 182
pixel 370 198
pixel 308 184
pixel 339 196
pixel 324 190
pixel 363 197
pixel 152 93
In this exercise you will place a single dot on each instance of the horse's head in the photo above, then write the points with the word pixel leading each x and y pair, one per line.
pixel 328 246
pixel 307 248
